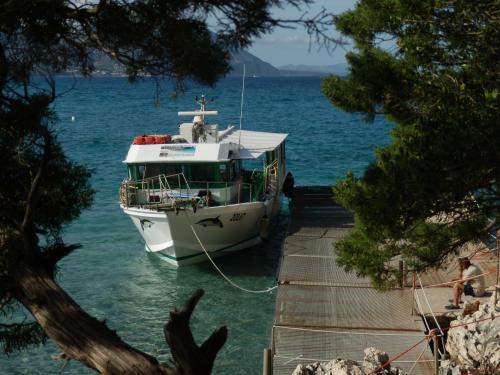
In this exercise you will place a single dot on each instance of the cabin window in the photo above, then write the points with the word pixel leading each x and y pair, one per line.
pixel 223 172
pixel 271 156
pixel 140 170
pixel 133 172
pixel 152 170
pixel 202 172
pixel 234 170
pixel 170 169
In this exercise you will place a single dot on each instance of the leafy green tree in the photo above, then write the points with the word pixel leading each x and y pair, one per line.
pixel 431 68
pixel 41 190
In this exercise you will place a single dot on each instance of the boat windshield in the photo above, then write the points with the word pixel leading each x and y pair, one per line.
pixel 200 172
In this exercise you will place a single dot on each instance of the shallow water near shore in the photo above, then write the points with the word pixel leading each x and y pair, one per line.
pixel 113 278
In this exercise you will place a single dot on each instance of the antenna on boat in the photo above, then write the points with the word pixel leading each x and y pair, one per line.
pixel 241 107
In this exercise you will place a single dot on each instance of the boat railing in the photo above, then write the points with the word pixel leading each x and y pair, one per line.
pixel 175 191
pixel 223 192
pixel 271 178
pixel 158 192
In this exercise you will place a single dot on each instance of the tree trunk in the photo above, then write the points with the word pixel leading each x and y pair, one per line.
pixel 80 336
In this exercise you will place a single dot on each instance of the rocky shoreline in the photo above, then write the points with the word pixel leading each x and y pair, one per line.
pixel 473 344
pixel 372 362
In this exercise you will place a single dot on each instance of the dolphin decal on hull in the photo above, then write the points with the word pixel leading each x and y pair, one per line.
pixel 211 222
pixel 145 224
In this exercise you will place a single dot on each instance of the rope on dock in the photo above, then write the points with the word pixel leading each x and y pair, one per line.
pixel 344 332
pixel 417 361
pixel 432 313
pixel 421 310
pixel 399 355
pixel 301 357
pixel 428 305
pixel 427 337
pixel 454 281
pixel 268 290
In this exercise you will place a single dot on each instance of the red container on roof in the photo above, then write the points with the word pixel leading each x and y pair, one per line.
pixel 139 140
pixel 162 139
pixel 149 139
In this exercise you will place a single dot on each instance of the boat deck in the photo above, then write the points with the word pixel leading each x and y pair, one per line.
pixel 322 311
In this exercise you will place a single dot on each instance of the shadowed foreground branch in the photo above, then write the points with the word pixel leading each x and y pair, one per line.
pixel 189 357
pixel 90 341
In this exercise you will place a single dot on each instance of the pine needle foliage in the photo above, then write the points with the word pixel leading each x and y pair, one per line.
pixel 431 68
pixel 41 190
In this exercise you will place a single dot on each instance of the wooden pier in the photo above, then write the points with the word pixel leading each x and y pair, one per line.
pixel 322 312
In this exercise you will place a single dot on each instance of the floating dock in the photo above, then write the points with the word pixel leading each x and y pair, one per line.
pixel 323 312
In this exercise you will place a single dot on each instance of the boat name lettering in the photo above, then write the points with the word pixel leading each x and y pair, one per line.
pixel 238 216
pixel 181 148
pixel 163 154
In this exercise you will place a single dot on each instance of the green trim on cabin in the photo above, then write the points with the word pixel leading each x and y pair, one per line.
pixel 229 172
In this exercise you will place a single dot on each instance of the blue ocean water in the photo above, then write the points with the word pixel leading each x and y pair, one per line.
pixel 114 279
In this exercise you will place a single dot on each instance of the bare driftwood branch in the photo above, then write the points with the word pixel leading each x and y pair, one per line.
pixel 190 358
pixel 83 338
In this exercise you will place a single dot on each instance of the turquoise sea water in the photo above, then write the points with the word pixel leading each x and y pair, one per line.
pixel 114 279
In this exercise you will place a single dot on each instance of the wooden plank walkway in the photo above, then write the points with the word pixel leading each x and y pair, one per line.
pixel 323 312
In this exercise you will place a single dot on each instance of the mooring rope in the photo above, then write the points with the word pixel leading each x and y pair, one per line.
pixel 429 305
pixel 268 290
pixel 63 367
pixel 222 273
pixel 419 307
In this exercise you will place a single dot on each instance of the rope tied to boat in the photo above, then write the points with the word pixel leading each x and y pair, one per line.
pixel 268 290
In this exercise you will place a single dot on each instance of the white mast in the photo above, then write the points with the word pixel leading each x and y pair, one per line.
pixel 202 112
pixel 241 107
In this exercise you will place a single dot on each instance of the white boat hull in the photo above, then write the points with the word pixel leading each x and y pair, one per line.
pixel 221 229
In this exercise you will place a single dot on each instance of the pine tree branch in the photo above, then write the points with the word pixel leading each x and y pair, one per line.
pixel 54 253
pixel 35 184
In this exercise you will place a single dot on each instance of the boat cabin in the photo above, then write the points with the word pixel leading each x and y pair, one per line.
pixel 225 167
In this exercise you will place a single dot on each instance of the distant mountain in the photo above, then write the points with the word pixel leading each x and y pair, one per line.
pixel 105 65
pixel 340 69
pixel 253 65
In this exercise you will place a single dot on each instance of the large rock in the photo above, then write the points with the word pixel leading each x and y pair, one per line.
pixel 373 359
pixel 474 345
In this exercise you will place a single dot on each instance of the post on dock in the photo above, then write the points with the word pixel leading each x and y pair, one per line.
pixel 436 352
pixel 495 298
pixel 413 292
pixel 267 362
pixel 401 275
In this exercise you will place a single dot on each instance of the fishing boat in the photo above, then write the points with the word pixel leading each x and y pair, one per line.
pixel 200 194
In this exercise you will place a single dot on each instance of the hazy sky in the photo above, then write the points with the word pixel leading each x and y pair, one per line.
pixel 285 46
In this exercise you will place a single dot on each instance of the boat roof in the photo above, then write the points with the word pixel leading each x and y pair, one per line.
pixel 252 145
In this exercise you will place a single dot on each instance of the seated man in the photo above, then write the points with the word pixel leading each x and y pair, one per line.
pixel 470 274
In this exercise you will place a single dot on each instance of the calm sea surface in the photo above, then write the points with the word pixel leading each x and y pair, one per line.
pixel 113 278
